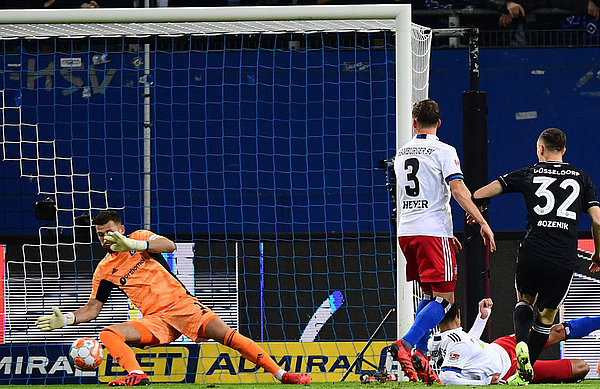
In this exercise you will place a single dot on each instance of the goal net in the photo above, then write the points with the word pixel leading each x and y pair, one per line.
pixel 252 144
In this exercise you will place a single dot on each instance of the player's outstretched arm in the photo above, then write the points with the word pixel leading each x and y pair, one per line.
pixel 89 311
pixel 58 319
pixel 156 244
pixel 485 310
pixel 492 189
pixel 462 195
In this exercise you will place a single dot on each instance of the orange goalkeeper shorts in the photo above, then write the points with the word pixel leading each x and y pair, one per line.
pixel 187 316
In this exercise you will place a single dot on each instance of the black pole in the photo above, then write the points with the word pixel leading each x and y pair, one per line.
pixel 474 61
pixel 359 356
pixel 475 158
pixel 475 171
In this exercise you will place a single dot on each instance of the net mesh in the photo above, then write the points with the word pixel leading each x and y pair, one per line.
pixel 265 144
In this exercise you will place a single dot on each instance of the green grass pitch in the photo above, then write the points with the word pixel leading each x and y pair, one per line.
pixel 589 384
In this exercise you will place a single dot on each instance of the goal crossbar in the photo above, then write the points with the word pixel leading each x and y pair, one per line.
pixel 205 14
pixel 145 30
pixel 146 22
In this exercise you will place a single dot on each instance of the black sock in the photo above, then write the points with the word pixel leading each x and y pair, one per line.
pixel 522 319
pixel 537 339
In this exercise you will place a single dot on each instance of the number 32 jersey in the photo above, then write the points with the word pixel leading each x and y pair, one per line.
pixel 424 166
pixel 555 193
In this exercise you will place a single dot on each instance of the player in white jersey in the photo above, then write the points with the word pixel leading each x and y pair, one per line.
pixel 463 359
pixel 427 173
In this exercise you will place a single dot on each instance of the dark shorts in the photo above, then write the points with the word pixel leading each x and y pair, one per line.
pixel 548 281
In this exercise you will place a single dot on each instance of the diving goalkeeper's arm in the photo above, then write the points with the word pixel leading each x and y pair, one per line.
pixel 58 319
pixel 156 244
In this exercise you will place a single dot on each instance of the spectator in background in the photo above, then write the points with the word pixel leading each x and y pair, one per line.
pixel 515 10
pixel 55 4
pixel 192 3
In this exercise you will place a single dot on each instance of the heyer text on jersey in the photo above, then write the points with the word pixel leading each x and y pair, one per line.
pixel 415 204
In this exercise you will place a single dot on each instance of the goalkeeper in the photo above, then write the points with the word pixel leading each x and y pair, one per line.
pixel 135 265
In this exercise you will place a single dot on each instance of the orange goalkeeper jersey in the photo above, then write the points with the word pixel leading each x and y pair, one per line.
pixel 144 277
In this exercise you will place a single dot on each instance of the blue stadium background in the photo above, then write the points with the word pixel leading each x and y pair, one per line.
pixel 230 138
pixel 298 176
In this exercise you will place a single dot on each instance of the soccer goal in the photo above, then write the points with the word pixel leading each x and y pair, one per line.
pixel 250 136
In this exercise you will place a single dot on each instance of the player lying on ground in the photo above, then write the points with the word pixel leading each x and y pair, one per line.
pixel 136 266
pixel 464 359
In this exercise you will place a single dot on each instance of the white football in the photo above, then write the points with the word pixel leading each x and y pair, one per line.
pixel 86 354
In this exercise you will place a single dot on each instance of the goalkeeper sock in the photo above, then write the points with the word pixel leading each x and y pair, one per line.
pixel 114 341
pixel 252 352
pixel 578 328
pixel 427 319
pixel 421 344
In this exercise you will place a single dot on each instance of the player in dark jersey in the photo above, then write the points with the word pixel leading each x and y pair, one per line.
pixel 555 193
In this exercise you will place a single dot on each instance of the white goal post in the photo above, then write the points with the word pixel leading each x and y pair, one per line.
pixel 171 21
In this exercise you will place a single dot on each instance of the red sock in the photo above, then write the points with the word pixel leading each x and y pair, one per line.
pixel 114 341
pixel 251 351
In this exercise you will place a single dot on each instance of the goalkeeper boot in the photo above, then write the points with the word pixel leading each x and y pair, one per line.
pixel 403 355
pixel 516 380
pixel 423 368
pixel 131 379
pixel 523 362
pixel 294 378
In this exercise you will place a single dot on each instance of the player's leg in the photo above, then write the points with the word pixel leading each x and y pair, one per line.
pixel 443 290
pixel 116 339
pixel 433 262
pixel 527 289
pixel 580 369
pixel 526 284
pixel 218 330
pixel 552 294
pixel 575 328
pixel 443 293
pixel 399 351
pixel 437 272
pixel 562 370
pixel 421 344
pixel 523 317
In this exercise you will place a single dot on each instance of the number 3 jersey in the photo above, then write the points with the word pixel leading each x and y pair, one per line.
pixel 555 193
pixel 424 166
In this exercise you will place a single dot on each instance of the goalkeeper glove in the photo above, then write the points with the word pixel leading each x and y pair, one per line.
pixel 55 321
pixel 121 243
